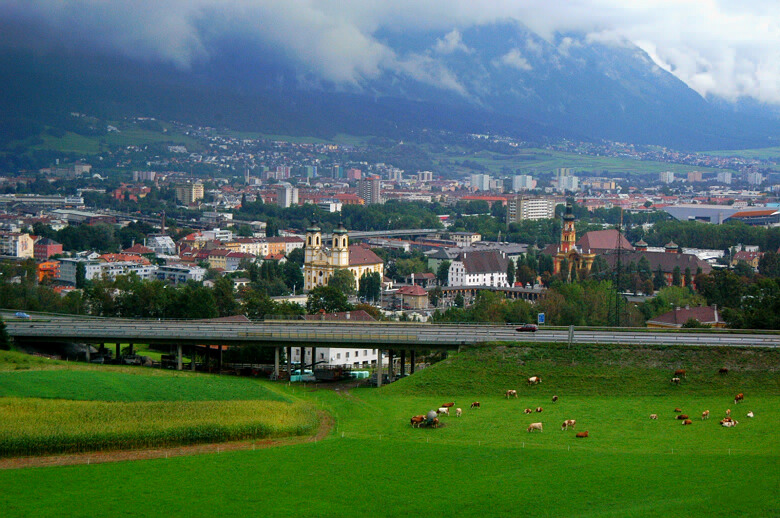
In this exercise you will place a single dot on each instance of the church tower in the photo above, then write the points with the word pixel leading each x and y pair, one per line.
pixel 568 234
pixel 340 249
pixel 313 243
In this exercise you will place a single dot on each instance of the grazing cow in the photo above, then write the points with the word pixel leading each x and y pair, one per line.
pixel 511 393
pixel 417 420
pixel 582 434
pixel 682 416
pixel 533 380
pixel 539 409
pixel 679 373
pixel 728 412
pixel 535 426
pixel 448 405
pixel 705 415
pixel 443 410
pixel 687 421
pixel 475 404
pixel 458 412
pixel 676 381
pixel 555 398
pixel 723 370
pixel 739 397
pixel 653 416
pixel 750 414
pixel 678 410
pixel 528 411
pixel 435 422
pixel 569 423
pixel 729 423
pixel 726 419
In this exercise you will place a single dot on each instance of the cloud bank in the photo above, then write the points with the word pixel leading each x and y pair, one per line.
pixel 717 47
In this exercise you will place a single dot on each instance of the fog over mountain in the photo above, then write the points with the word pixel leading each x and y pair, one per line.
pixel 545 69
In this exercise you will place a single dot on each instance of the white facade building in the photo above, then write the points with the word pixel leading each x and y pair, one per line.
pixel 98 269
pixel 666 177
pixel 523 182
pixel 530 207
pixel 341 357
pixel 286 195
pixel 180 273
pixel 480 182
pixel 479 268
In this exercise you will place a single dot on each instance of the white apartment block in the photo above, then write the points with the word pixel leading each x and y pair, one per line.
pixel 16 244
pixel 180 273
pixel 286 195
pixel 98 269
pixel 724 177
pixel 523 182
pixel 341 357
pixel 480 182
pixel 666 177
pixel 530 207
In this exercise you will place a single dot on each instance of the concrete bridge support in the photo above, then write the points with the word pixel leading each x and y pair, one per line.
pixel 403 362
pixel 289 362
pixel 276 363
pixel 390 366
pixel 118 351
pixel 192 365
pixel 413 360
pixel 378 368
pixel 178 357
pixel 313 358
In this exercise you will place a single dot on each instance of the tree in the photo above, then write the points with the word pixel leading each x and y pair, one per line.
pixel 676 276
pixel 743 269
pixel 296 256
pixel 643 269
pixel 659 279
pixel 688 278
pixel 769 265
pixel 510 273
pixel 225 297
pixel 343 280
pixel 459 302
pixel 81 275
pixel 327 298
pixel 443 273
pixel 370 286
pixel 5 340
pixel 293 275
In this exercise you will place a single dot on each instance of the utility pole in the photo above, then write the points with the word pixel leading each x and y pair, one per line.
pixel 618 265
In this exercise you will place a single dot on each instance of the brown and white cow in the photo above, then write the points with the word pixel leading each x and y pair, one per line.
pixel 435 422
pixel 528 411
pixel 687 421
pixel 458 412
pixel 675 381
pixel 475 404
pixel 729 423
pixel 678 410
pixel 653 416
pixel 535 426
pixel 705 415
pixel 539 409
pixel 582 434
pixel 417 420
pixel 569 423
pixel 679 373
pixel 511 393
pixel 739 397
pixel 443 410
pixel 554 399
pixel 533 380
pixel 750 414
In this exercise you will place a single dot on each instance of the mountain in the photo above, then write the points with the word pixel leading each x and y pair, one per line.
pixel 498 78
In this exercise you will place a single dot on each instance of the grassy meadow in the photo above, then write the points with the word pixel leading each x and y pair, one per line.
pixel 65 407
pixel 483 463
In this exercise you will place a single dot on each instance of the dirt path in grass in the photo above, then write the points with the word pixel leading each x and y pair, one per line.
pixel 98 457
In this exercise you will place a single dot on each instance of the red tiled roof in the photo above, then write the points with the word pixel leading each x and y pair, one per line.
pixel 747 256
pixel 753 213
pixel 603 240
pixel 483 261
pixel 138 249
pixel 361 254
pixel 677 317
pixel 412 290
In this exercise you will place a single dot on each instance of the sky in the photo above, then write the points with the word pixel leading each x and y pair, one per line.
pixel 722 48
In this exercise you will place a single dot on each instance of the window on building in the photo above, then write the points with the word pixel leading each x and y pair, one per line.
pixel 347 355
pixel 338 356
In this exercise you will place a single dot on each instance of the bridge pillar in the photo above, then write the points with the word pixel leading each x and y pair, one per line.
pixel 289 362
pixel 192 364
pixel 131 348
pixel 178 357
pixel 313 358
pixel 413 359
pixel 118 352
pixel 219 360
pixel 378 368
pixel 87 353
pixel 390 369
pixel 403 362
pixel 276 363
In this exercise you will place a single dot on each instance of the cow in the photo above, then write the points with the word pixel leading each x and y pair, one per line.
pixel 678 410
pixel 687 421
pixel 511 393
pixel 569 423
pixel 555 398
pixel 458 412
pixel 533 380
pixel 675 381
pixel 653 416
pixel 682 416
pixel 582 434
pixel 539 409
pixel 435 422
pixel 723 370
pixel 443 410
pixel 448 405
pixel 729 423
pixel 739 397
pixel 679 373
pixel 750 414
pixel 726 419
pixel 535 426
pixel 475 404
pixel 705 415
pixel 528 411
pixel 417 420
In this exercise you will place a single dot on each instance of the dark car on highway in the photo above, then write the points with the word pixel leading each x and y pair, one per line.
pixel 528 327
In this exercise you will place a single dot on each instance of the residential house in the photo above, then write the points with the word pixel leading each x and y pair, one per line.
pixel 479 268
pixel 707 315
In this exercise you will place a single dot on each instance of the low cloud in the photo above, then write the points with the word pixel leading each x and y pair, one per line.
pixel 514 58
pixel 717 47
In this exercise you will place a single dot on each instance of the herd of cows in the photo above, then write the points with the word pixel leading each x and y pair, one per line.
pixel 431 419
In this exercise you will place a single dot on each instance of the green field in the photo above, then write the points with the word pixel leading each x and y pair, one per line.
pixel 483 463
pixel 769 153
